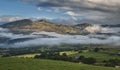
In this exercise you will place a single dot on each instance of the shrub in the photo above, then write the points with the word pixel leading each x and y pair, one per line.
pixel 81 58
pixel 112 62
pixel 89 60
pixel 96 50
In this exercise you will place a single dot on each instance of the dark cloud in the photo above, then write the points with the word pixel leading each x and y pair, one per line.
pixel 97 5
pixel 108 9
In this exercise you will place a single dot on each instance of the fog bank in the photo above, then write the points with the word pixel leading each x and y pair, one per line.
pixel 52 38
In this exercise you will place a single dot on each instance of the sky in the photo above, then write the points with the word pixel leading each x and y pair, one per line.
pixel 18 8
pixel 69 11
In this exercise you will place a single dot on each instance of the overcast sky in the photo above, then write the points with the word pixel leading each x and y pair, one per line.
pixel 93 11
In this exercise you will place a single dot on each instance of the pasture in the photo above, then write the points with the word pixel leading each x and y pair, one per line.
pixel 13 63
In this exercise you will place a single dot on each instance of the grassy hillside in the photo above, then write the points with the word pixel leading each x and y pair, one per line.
pixel 27 25
pixel 41 25
pixel 100 56
pixel 40 64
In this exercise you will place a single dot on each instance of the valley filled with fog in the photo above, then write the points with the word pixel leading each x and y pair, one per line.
pixel 9 39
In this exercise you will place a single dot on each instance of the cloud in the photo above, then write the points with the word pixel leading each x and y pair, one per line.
pixel 72 15
pixel 108 9
pixel 39 8
pixel 5 19
pixel 38 38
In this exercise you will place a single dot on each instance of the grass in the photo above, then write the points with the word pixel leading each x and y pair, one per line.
pixel 27 55
pixel 32 55
pixel 41 64
pixel 98 55
pixel 69 52
pixel 113 50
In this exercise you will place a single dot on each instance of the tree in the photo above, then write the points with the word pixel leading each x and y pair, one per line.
pixel 43 55
pixel 37 56
pixel 89 60
pixel 64 54
pixel 64 57
pixel 112 62
pixel 79 51
pixel 81 58
pixel 96 49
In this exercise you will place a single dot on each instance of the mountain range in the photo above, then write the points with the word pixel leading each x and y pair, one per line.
pixel 27 25
pixel 42 32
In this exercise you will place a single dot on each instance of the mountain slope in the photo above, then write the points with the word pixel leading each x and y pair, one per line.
pixel 41 25
pixel 114 25
pixel 27 25
pixel 19 23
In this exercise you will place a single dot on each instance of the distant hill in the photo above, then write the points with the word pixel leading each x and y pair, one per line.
pixel 17 24
pixel 114 25
pixel 40 25
pixel 27 25
pixel 84 24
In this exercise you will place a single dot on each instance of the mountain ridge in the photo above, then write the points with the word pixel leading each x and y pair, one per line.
pixel 27 25
pixel 40 25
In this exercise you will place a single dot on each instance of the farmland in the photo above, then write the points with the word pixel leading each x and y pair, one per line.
pixel 98 55
pixel 62 58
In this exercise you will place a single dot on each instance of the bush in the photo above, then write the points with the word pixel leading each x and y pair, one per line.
pixel 54 56
pixel 81 58
pixel 6 55
pixel 64 54
pixel 96 50
pixel 37 56
pixel 89 60
pixel 112 63
pixel 79 51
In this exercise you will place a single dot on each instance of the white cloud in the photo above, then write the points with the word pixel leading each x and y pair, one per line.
pixel 39 8
pixel 72 15
pixel 5 19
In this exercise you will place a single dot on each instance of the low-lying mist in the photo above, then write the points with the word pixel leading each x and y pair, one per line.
pixel 52 38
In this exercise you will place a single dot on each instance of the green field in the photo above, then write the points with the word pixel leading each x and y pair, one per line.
pixel 69 52
pixel 27 55
pixel 98 55
pixel 41 64
pixel 26 61
pixel 33 55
